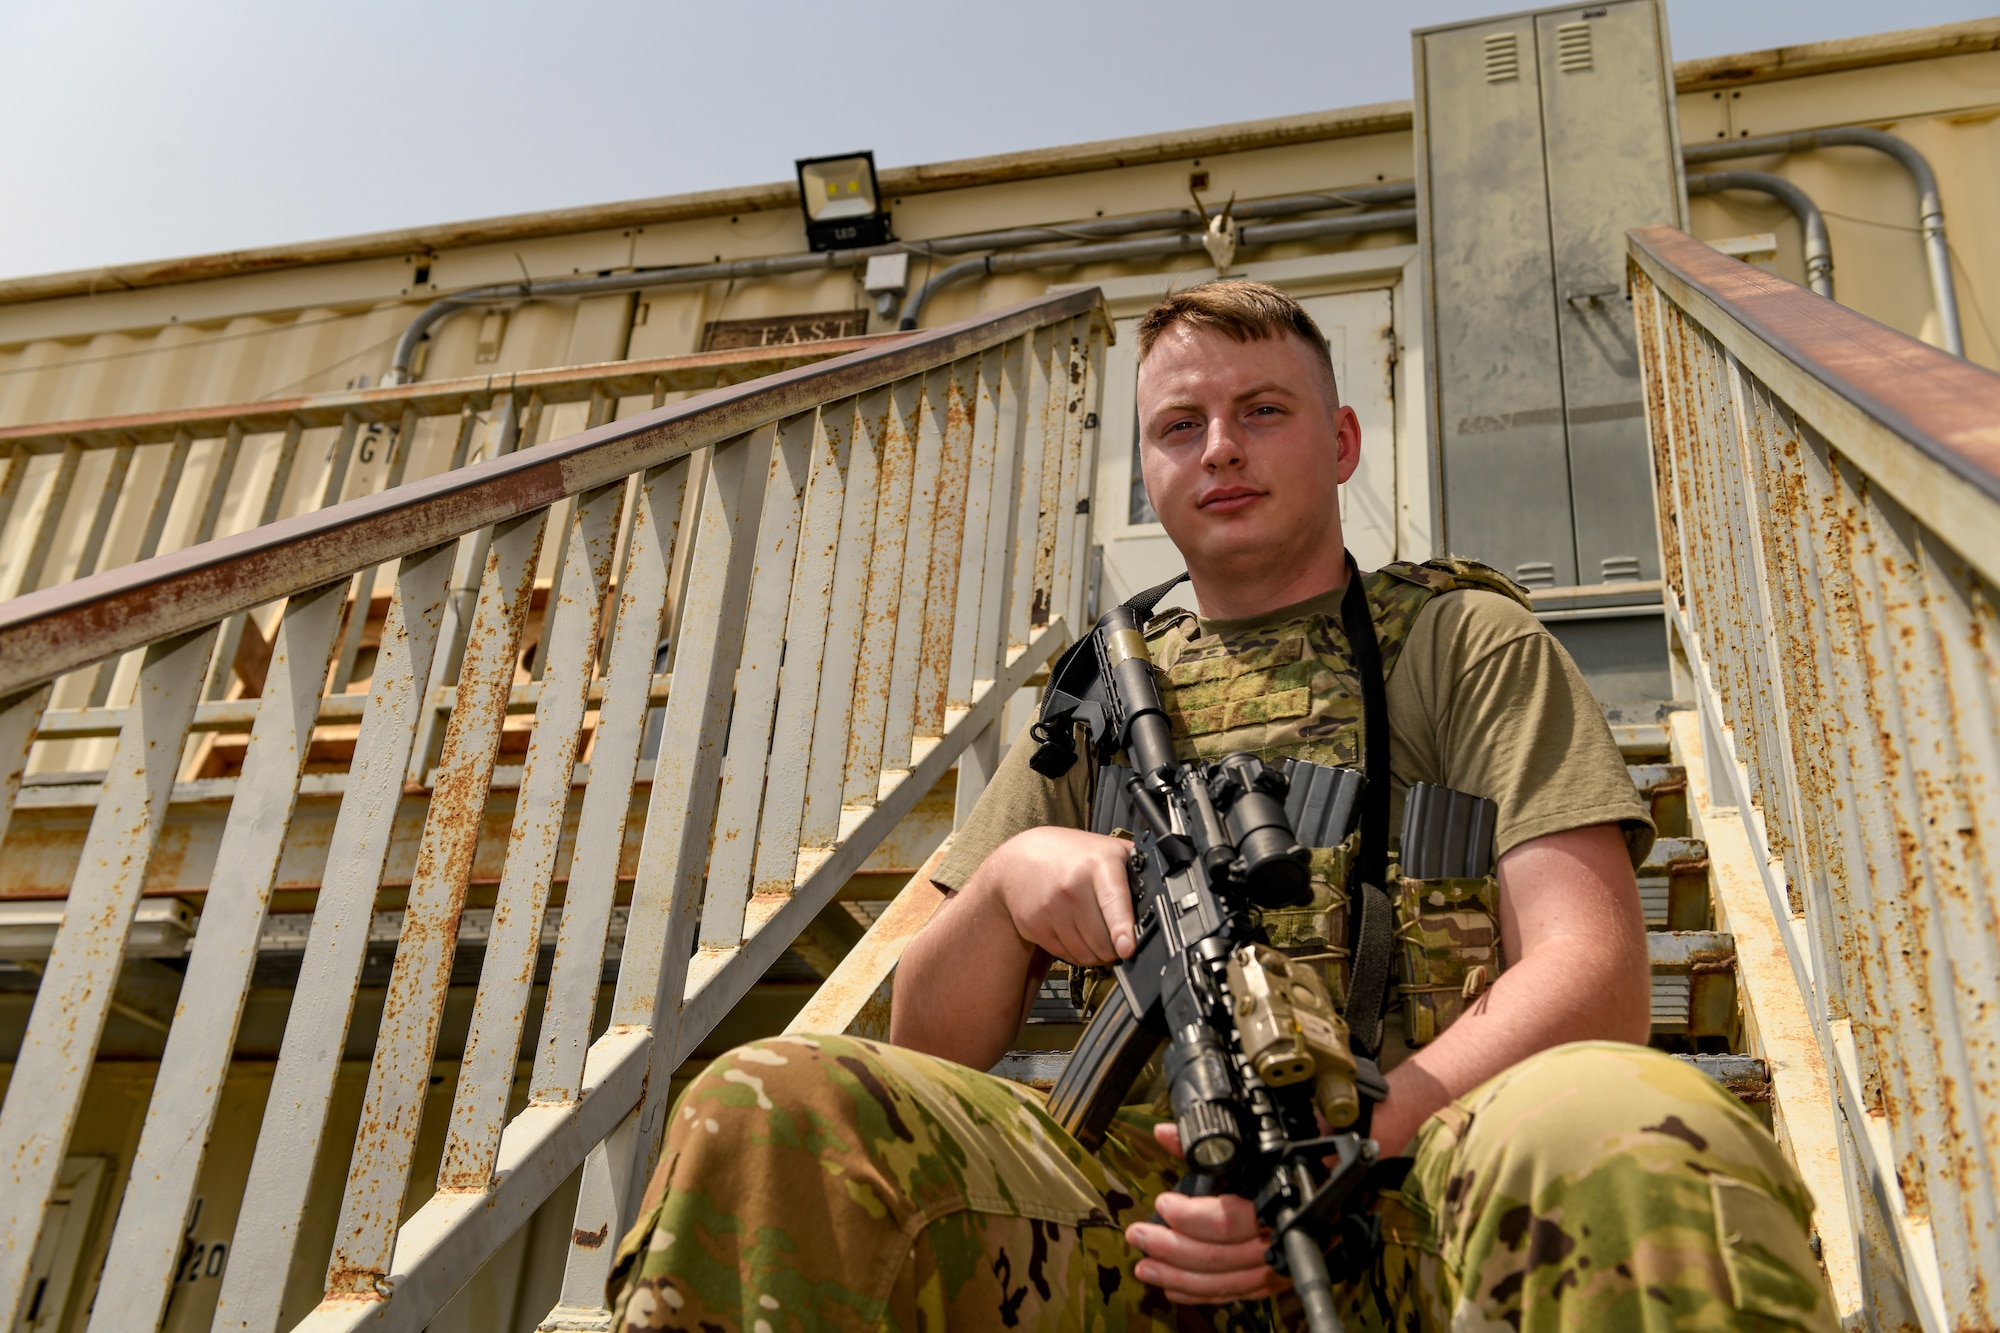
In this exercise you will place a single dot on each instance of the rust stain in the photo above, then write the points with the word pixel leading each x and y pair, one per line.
pixel 1829 622
pixel 590 1240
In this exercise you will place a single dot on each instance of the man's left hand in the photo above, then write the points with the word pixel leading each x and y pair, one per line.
pixel 1210 1251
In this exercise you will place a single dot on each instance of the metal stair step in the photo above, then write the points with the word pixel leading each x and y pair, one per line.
pixel 1664 787
pixel 1673 885
pixel 1747 1077
pixel 1694 983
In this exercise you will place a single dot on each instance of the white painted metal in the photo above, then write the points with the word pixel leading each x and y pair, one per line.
pixel 1066 399
pixel 621 724
pixel 950 413
pixel 1055 432
pixel 763 649
pixel 34 564
pixel 275 1196
pixel 977 390
pixel 854 555
pixel 1831 562
pixel 573 983
pixel 926 436
pixel 220 472
pixel 492 1046
pixel 688 774
pixel 806 627
pixel 18 459
pixel 145 1248
pixel 74 997
pixel 1030 504
pixel 1003 377
pixel 107 506
pixel 400 1075
pixel 20 715
pixel 895 450
pixel 1089 423
pixel 929 485
pixel 826 778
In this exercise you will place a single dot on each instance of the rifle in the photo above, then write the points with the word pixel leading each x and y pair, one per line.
pixel 1254 1046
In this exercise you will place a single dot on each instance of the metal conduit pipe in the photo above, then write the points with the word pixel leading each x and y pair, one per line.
pixel 1401 219
pixel 1819 254
pixel 1930 208
pixel 1172 219
pixel 1178 219
pixel 508 292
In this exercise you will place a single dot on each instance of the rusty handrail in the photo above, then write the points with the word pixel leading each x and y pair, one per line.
pixel 562 384
pixel 1919 420
pixel 853 568
pixel 56 630
pixel 1829 504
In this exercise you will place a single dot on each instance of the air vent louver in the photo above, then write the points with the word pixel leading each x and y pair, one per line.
pixel 1503 57
pixel 1572 47
pixel 1619 569
pixel 1535 574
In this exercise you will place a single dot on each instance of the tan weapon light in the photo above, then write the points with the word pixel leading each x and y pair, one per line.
pixel 1290 1031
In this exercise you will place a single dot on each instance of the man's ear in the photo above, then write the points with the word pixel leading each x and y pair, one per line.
pixel 1347 444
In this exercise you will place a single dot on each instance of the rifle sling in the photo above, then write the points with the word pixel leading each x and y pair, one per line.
pixel 1371 916
pixel 1144 602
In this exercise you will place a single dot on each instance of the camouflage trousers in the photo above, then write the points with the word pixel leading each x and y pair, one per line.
pixel 827 1182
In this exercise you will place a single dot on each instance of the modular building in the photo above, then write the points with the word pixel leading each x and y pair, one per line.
pixel 438 460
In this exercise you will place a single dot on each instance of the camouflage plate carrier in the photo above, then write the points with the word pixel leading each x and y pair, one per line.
pixel 1293 690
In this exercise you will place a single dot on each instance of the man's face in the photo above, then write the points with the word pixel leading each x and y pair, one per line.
pixel 1242 452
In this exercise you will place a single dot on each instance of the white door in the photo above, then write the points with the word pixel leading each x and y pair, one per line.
pixel 1361 340
pixel 1358 334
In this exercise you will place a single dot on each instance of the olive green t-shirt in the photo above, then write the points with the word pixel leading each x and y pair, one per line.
pixel 1482 699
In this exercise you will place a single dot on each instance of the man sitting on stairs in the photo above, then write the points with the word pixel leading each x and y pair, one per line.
pixel 1562 1175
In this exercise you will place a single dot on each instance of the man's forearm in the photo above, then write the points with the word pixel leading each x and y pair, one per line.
pixel 962 989
pixel 1570 918
pixel 1570 990
pixel 961 982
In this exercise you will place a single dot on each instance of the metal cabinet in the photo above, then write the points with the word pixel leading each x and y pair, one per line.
pixel 1541 137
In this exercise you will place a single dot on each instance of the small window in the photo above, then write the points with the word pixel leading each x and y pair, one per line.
pixel 1141 509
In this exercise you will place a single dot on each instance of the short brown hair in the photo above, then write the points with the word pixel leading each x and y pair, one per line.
pixel 1242 310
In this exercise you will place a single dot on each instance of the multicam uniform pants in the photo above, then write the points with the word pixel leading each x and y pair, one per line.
pixel 826 1182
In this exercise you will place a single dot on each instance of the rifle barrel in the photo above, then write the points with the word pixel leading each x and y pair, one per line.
pixel 1310 1280
pixel 1149 738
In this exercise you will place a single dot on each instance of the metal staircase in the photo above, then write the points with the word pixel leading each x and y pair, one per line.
pixel 1821 905
pixel 514 785
pixel 776 615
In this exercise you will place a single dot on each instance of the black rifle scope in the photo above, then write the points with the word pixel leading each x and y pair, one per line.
pixel 1251 798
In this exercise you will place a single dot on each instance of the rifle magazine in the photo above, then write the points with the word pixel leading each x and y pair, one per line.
pixel 1101 1071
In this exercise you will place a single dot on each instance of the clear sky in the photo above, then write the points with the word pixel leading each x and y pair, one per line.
pixel 141 130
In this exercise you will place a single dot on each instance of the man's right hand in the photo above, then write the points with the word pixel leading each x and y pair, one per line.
pixel 965 982
pixel 1066 892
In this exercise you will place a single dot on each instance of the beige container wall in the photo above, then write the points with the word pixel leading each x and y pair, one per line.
pixel 1949 108
pixel 324 327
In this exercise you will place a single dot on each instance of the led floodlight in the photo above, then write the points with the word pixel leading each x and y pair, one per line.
pixel 842 204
